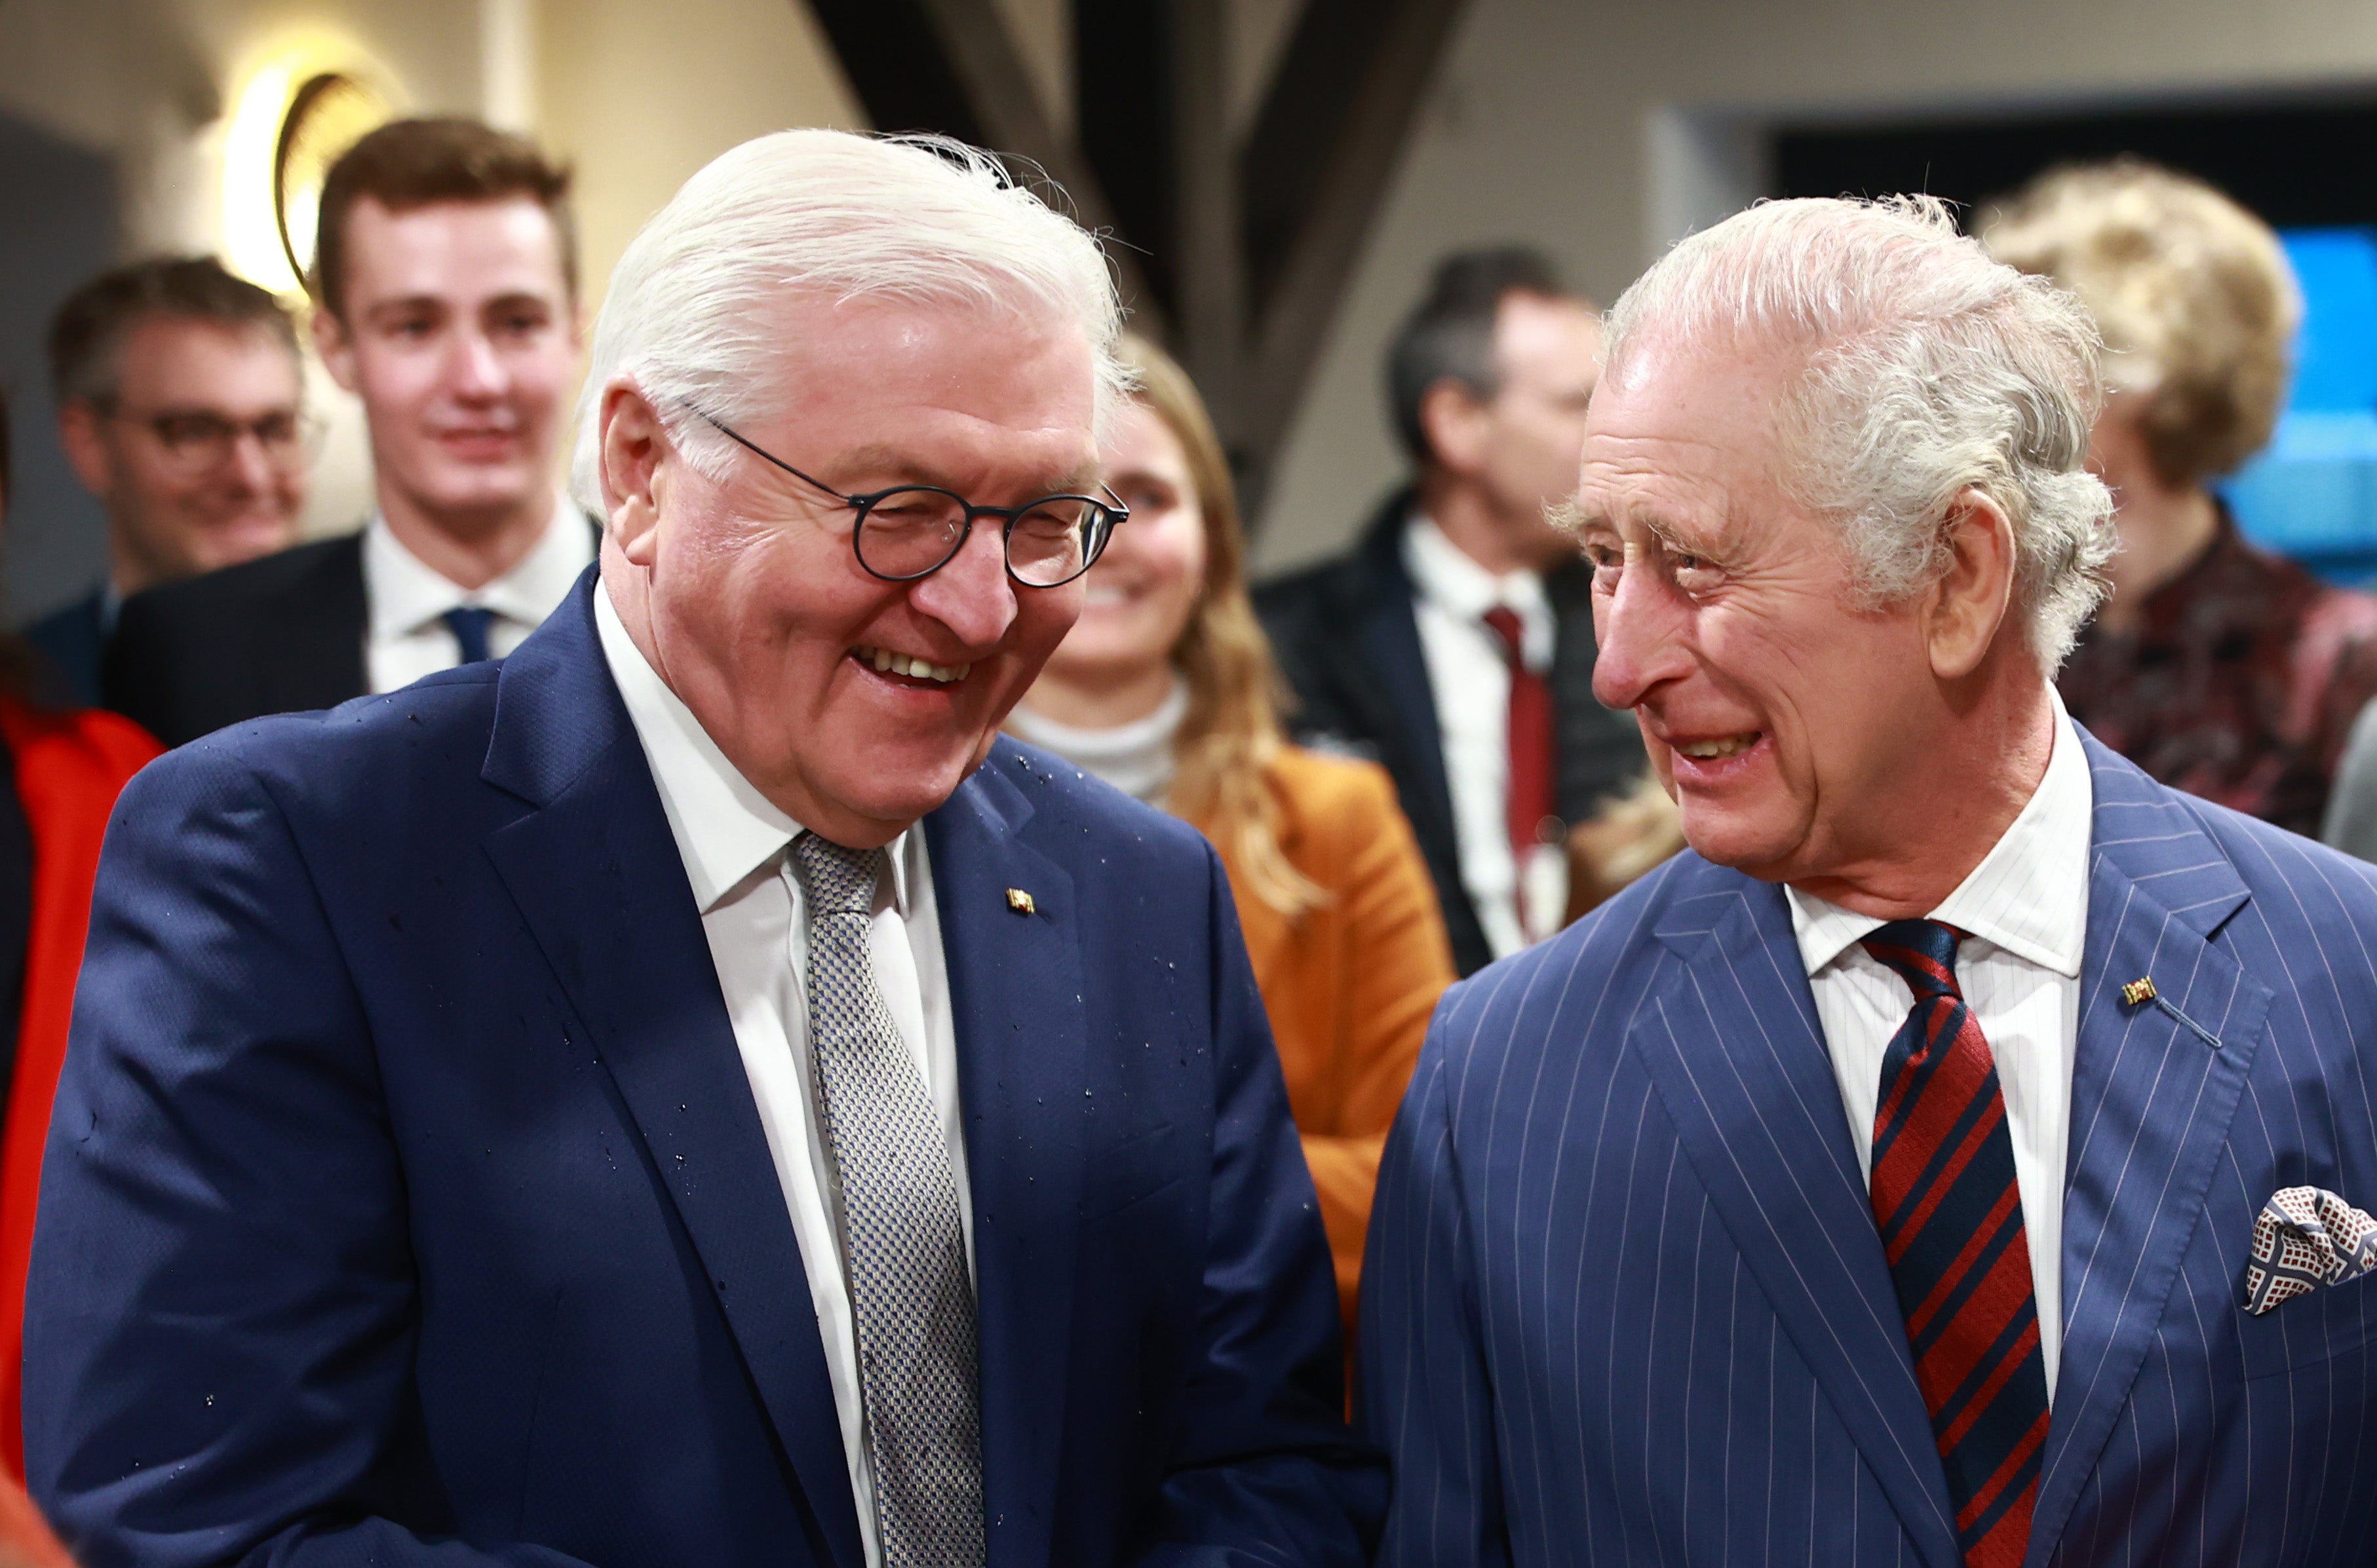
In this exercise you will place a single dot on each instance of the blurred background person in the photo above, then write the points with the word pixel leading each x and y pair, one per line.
pixel 2219 668
pixel 1454 644
pixel 2351 822
pixel 181 406
pixel 1164 688
pixel 62 771
pixel 446 299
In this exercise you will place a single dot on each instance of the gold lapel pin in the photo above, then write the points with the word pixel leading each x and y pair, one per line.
pixel 1021 901
pixel 2139 989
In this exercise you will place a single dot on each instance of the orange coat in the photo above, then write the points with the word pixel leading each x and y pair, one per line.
pixel 1350 985
pixel 69 768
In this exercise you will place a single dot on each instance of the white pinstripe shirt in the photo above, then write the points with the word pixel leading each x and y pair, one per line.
pixel 2026 908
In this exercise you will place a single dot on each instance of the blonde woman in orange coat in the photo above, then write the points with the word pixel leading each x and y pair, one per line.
pixel 1165 689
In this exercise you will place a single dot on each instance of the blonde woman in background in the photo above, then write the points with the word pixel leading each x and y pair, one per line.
pixel 2219 668
pixel 1165 689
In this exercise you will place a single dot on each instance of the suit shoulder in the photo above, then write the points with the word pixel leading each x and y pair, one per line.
pixel 1579 988
pixel 1084 805
pixel 1297 601
pixel 378 741
pixel 236 592
pixel 2288 871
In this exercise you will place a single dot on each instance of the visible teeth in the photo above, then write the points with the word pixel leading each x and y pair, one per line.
pixel 1708 751
pixel 891 663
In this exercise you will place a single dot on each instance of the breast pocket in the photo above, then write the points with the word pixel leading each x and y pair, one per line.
pixel 1126 1174
pixel 2308 1331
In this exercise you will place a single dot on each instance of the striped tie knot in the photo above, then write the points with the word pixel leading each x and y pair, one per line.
pixel 1922 953
pixel 838 879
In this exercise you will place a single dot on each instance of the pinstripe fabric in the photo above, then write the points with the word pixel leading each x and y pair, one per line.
pixel 1625 1302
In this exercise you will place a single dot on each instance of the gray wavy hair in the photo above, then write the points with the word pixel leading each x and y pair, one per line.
pixel 691 314
pixel 1931 370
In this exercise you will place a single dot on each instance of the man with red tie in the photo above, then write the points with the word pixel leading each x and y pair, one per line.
pixel 1454 644
pixel 1962 1154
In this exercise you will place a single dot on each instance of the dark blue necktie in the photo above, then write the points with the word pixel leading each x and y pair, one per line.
pixel 1951 1217
pixel 469 623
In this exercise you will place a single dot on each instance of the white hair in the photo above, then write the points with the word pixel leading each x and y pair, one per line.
pixel 1930 370
pixel 694 313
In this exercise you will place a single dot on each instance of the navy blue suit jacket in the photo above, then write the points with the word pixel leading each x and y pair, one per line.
pixel 405 1186
pixel 1625 1304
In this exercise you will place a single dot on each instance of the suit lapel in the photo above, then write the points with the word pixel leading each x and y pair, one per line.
pixel 597 876
pixel 2151 1104
pixel 1015 994
pixel 1728 1031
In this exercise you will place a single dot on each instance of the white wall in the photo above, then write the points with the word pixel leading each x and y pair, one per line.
pixel 1551 117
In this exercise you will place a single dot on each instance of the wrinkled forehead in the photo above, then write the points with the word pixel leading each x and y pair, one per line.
pixel 958 383
pixel 1686 426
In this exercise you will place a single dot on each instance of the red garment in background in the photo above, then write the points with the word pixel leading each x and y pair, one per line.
pixel 69 769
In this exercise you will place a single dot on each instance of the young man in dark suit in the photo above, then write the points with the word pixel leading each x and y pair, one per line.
pixel 1454 644
pixel 445 287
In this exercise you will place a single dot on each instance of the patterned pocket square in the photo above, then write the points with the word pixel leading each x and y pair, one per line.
pixel 2304 1238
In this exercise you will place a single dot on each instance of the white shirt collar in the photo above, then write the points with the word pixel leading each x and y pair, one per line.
pixel 725 829
pixel 2029 895
pixel 1445 574
pixel 408 594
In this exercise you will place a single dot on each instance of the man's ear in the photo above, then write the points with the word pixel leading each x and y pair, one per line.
pixel 1453 420
pixel 336 347
pixel 1968 607
pixel 632 458
pixel 85 449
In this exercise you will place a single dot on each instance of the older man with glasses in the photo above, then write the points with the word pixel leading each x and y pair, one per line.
pixel 694 1093
pixel 179 398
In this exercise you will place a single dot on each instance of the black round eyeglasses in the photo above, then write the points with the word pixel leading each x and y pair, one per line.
pixel 913 530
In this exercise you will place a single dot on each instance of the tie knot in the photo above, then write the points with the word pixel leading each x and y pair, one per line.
pixel 838 880
pixel 1922 951
pixel 1503 622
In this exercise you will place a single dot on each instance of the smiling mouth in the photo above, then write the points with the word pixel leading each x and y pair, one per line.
pixel 883 661
pixel 1721 747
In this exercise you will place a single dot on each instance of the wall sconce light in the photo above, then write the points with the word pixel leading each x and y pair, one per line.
pixel 331 112
pixel 294 114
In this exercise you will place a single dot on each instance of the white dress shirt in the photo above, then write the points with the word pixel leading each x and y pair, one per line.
pixel 1470 679
pixel 733 841
pixel 408 636
pixel 2026 907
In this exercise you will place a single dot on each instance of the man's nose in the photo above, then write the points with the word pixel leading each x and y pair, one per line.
pixel 474 369
pixel 1639 631
pixel 971 595
pixel 253 470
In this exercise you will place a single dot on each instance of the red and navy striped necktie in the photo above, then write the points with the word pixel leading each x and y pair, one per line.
pixel 1950 1219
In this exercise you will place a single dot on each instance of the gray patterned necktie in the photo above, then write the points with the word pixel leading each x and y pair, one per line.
pixel 900 1236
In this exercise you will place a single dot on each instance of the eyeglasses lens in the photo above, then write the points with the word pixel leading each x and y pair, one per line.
pixel 201 441
pixel 1049 543
pixel 910 533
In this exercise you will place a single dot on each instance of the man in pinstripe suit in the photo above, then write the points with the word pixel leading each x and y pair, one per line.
pixel 1879 1181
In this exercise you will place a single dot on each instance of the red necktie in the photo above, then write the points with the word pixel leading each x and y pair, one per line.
pixel 1528 733
pixel 1950 1219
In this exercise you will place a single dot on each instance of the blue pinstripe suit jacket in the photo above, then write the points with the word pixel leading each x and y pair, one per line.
pixel 1625 1303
